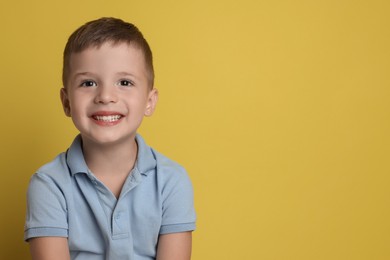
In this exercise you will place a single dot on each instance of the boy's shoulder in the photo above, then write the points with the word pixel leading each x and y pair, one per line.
pixel 55 172
pixel 163 160
pixel 58 161
pixel 163 166
pixel 164 163
pixel 147 154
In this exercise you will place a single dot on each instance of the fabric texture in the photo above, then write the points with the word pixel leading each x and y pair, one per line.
pixel 65 199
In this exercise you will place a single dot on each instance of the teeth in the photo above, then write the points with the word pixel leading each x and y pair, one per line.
pixel 108 118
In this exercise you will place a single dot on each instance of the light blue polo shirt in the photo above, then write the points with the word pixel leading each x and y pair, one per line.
pixel 65 199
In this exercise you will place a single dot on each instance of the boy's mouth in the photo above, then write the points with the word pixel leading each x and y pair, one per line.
pixel 108 118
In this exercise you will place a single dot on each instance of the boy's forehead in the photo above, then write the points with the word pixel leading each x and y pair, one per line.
pixel 107 51
pixel 109 45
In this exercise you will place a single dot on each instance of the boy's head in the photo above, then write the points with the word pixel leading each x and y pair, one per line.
pixel 108 81
pixel 96 33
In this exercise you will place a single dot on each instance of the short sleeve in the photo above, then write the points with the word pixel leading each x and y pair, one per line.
pixel 178 204
pixel 46 209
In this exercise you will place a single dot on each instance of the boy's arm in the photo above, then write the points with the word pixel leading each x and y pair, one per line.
pixel 174 246
pixel 49 248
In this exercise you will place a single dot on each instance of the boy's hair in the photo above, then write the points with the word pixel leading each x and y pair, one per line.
pixel 106 29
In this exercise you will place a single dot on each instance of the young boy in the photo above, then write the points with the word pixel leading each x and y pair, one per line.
pixel 110 196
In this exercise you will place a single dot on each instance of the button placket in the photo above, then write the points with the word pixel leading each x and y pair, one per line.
pixel 120 224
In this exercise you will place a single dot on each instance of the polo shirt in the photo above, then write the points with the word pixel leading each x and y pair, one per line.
pixel 65 199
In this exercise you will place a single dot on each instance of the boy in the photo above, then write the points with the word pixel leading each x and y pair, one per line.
pixel 110 196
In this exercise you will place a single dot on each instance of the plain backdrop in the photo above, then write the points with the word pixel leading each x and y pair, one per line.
pixel 278 109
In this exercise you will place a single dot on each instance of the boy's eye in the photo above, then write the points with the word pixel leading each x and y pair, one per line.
pixel 88 83
pixel 126 83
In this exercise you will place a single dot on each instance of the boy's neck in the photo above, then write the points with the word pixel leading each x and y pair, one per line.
pixel 110 159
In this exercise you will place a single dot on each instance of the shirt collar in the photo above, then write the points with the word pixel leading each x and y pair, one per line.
pixel 145 158
pixel 75 157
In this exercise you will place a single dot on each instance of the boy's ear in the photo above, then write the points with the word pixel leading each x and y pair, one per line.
pixel 65 101
pixel 152 102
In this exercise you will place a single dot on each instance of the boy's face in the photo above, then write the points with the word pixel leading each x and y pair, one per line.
pixel 108 94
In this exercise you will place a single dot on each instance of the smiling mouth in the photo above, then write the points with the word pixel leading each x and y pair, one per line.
pixel 111 118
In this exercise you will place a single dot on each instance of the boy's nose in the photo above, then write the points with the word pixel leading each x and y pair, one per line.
pixel 106 94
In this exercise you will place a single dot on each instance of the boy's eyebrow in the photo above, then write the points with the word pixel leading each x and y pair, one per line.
pixel 122 73
pixel 83 74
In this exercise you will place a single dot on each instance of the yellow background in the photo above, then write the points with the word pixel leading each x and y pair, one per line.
pixel 279 110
